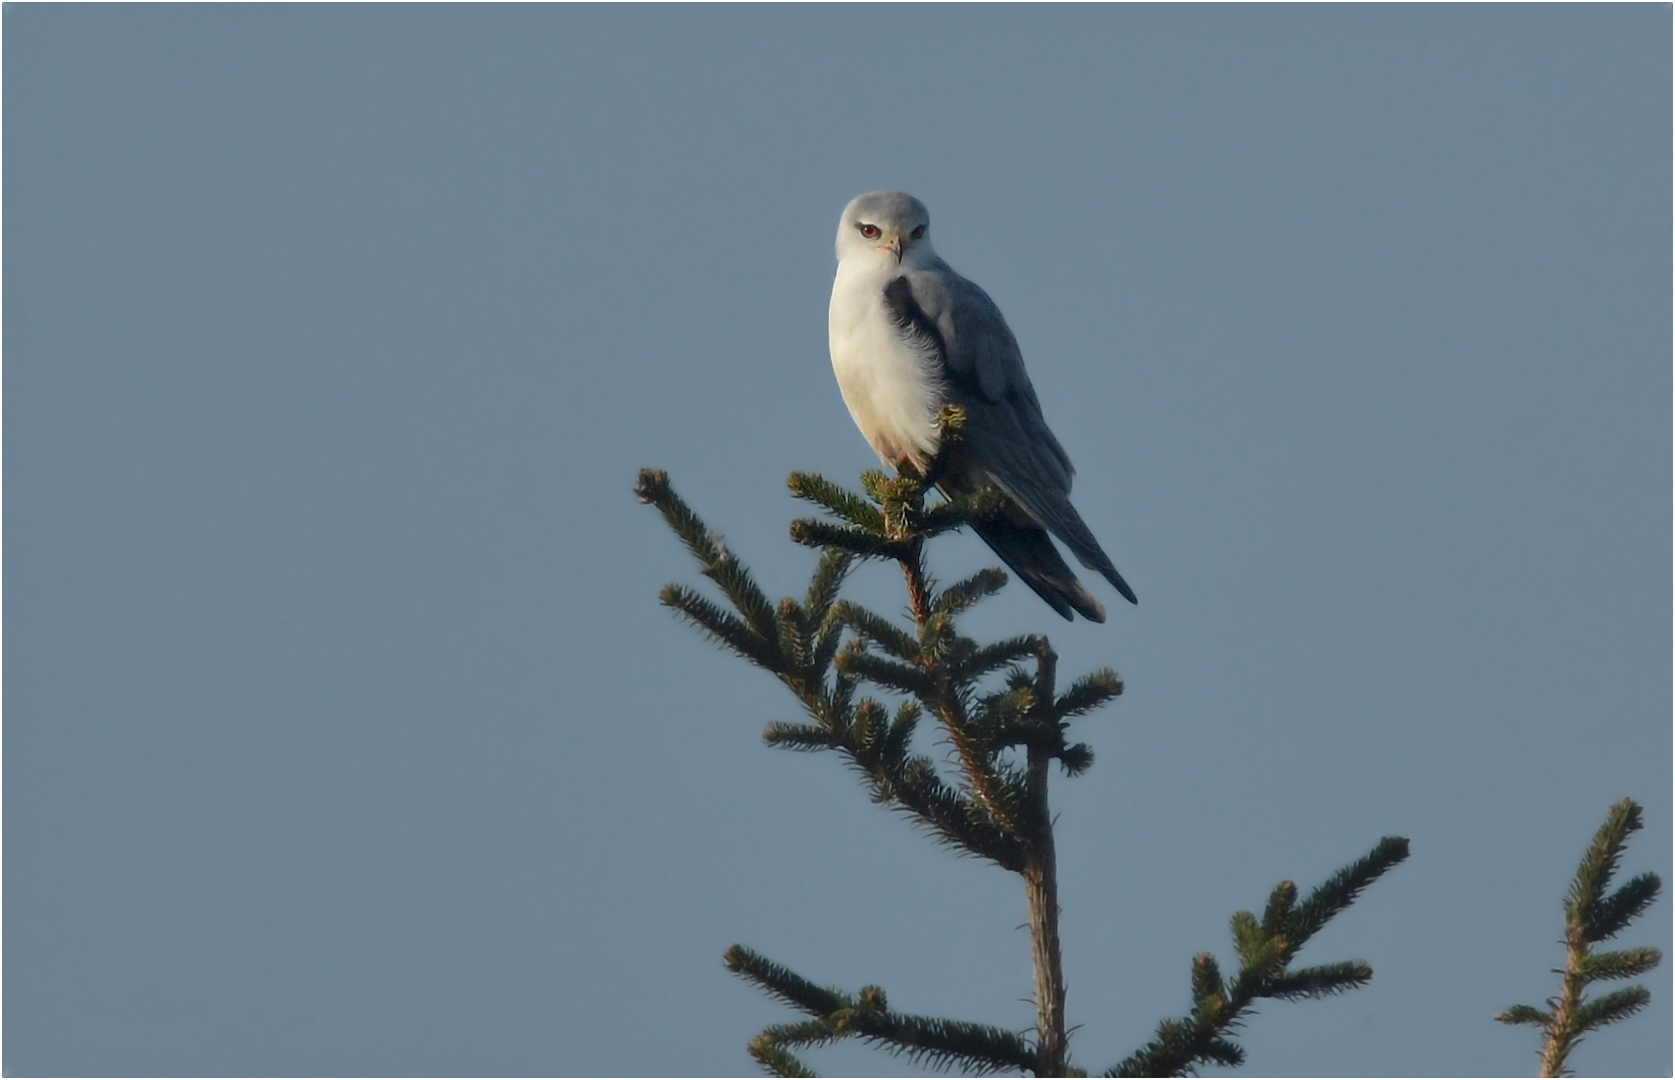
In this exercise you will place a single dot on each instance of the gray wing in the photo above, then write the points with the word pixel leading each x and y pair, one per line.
pixel 1007 441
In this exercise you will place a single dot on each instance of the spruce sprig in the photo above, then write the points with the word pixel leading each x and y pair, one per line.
pixel 1265 948
pixel 1592 916
pixel 974 1049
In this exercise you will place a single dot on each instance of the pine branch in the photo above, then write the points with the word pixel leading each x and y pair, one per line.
pixel 1599 865
pixel 1255 947
pixel 1342 888
pixel 714 560
pixel 985 659
pixel 1088 693
pixel 721 627
pixel 893 750
pixel 903 678
pixel 719 564
pixel 876 747
pixel 952 818
pixel 827 637
pixel 796 637
pixel 1608 917
pixel 811 532
pixel 961 596
pixel 866 726
pixel 1004 719
pixel 775 1061
pixel 1619 964
pixel 1277 916
pixel 798 736
pixel 1612 1007
pixel 975 1049
pixel 828 578
pixel 1223 1052
pixel 1265 949
pixel 783 983
pixel 802 1034
pixel 1207 984
pixel 835 705
pixel 1590 917
pixel 738 586
pixel 653 487
pixel 1076 759
pixel 880 631
pixel 939 641
pixel 1319 981
pixel 841 502
pixel 1526 1014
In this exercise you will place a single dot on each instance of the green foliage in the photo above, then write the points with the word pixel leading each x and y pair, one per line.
pixel 868 683
pixel 973 1049
pixel 842 503
pixel 929 663
pixel 1592 916
pixel 1265 950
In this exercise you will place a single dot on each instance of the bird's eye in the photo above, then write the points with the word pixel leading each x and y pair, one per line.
pixel 919 232
pixel 869 231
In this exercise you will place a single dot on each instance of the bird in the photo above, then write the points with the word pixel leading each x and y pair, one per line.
pixel 908 336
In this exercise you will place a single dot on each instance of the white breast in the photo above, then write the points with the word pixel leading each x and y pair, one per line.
pixel 892 391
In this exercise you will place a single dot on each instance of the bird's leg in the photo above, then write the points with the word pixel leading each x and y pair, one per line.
pixel 935 470
pixel 949 423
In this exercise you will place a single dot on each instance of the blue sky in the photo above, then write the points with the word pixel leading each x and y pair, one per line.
pixel 343 731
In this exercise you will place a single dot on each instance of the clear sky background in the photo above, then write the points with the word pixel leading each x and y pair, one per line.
pixel 344 732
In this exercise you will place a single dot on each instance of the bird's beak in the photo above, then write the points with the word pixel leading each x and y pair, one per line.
pixel 894 244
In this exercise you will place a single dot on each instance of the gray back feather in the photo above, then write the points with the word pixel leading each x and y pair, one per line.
pixel 1008 443
pixel 985 374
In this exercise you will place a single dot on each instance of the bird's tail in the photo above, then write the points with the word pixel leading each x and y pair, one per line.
pixel 1092 556
pixel 1061 519
pixel 1057 516
pixel 1029 551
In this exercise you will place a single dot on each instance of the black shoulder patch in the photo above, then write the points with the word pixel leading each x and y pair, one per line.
pixel 916 328
pixel 909 318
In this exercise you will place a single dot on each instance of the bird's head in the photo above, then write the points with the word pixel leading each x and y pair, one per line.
pixel 885 225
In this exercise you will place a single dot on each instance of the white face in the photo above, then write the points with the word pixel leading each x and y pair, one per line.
pixel 887 225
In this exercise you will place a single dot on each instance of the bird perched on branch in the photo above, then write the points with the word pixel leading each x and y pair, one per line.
pixel 908 336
